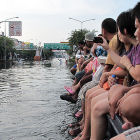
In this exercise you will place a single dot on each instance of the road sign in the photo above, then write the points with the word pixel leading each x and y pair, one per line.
pixel 56 46
pixel 15 28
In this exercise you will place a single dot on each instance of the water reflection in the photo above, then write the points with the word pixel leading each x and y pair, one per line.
pixel 30 106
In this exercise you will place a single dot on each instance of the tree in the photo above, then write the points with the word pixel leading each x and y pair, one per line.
pixel 9 46
pixel 76 36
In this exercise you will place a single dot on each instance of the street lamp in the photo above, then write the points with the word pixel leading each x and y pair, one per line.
pixel 81 21
pixel 6 20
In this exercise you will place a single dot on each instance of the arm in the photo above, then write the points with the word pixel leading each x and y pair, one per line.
pixel 85 48
pixel 116 92
pixel 104 76
pixel 90 72
pixel 114 56
pixel 134 71
pixel 107 67
pixel 93 49
pixel 85 63
pixel 120 73
pixel 107 76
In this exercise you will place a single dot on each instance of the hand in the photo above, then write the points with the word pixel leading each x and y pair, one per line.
pixel 130 92
pixel 116 92
pixel 93 49
pixel 125 61
pixel 103 79
pixel 104 44
pixel 111 81
pixel 118 110
pixel 91 58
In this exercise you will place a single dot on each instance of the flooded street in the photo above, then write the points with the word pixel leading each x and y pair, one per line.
pixel 30 106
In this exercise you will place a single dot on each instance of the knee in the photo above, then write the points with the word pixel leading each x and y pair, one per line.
pixel 96 108
pixel 124 109
pixel 89 98
pixel 93 102
pixel 130 108
pixel 88 93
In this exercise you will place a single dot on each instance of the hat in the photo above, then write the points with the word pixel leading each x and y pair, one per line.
pixel 89 36
pixel 79 56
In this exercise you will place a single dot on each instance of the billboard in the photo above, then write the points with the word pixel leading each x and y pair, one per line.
pixel 15 28
pixel 56 46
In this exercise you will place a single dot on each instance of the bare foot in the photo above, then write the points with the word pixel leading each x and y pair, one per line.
pixel 75 124
pixel 78 137
pixel 127 125
pixel 84 137
pixel 81 122
pixel 82 127
pixel 75 131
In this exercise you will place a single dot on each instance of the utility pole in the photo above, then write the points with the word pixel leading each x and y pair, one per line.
pixel 81 21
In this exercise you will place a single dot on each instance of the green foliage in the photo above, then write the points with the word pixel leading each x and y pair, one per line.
pixel 76 36
pixel 9 46
pixel 26 54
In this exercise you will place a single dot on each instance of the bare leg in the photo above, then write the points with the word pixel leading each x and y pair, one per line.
pixel 100 107
pixel 90 91
pixel 86 130
pixel 83 109
pixel 75 87
pixel 130 108
pixel 86 96
pixel 86 109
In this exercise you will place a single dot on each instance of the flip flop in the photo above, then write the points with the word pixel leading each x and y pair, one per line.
pixel 79 114
pixel 74 124
pixel 69 89
pixel 68 98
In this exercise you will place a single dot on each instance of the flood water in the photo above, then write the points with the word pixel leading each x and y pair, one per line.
pixel 30 104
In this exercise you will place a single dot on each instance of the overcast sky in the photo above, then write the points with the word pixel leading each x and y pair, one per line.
pixel 48 20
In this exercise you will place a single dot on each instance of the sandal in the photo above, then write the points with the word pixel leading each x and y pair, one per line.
pixel 75 131
pixel 79 114
pixel 68 98
pixel 74 124
pixel 69 89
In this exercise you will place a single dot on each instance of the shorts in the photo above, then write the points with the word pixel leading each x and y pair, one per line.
pixel 86 87
pixel 133 133
pixel 91 84
pixel 79 75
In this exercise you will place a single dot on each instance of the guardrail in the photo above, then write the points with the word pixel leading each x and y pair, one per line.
pixel 114 126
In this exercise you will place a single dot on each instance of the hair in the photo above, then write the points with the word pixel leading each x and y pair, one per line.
pixel 120 47
pixel 136 11
pixel 126 21
pixel 100 35
pixel 81 42
pixel 109 25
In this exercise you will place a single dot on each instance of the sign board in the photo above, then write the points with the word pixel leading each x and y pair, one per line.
pixel 56 46
pixel 15 28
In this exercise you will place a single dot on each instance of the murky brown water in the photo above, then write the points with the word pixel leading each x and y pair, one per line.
pixel 30 106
